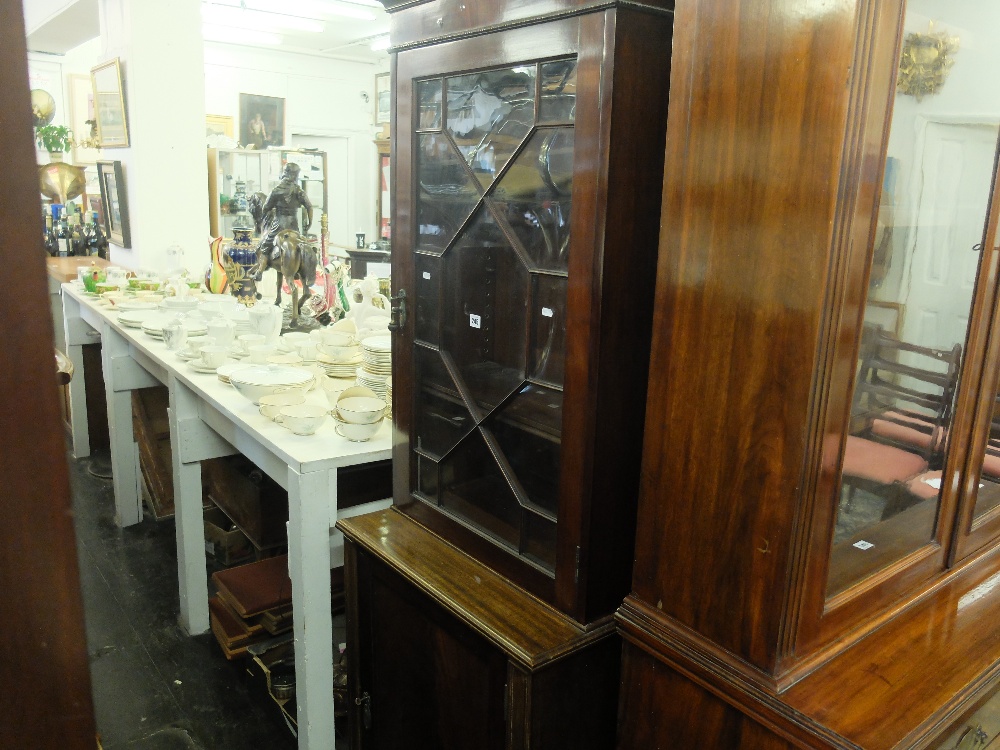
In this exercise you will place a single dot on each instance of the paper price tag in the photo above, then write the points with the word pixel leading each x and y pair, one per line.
pixel 427 274
pixel 547 312
pixel 475 321
pixel 863 545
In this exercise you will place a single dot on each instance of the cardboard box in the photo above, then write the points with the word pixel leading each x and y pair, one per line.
pixel 223 541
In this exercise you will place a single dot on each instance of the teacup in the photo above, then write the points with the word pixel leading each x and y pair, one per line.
pixel 260 353
pixel 214 355
pixel 246 340
pixel 333 387
pixel 339 353
pixel 337 338
pixel 289 341
pixel 306 350
pixel 302 419
pixel 271 405
pixel 357 433
pixel 194 346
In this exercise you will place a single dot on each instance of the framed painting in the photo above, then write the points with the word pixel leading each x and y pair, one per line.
pixel 115 202
pixel 109 105
pixel 262 121
pixel 383 98
pixel 219 125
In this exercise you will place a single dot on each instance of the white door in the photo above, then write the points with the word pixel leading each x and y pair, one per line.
pixel 339 195
pixel 950 194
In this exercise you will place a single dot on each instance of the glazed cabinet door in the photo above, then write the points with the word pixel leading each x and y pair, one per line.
pixel 918 486
pixel 499 143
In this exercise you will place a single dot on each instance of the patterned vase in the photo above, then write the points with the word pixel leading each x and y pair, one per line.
pixel 244 259
pixel 215 276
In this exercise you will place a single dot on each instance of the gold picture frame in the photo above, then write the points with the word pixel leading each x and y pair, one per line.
pixel 383 98
pixel 109 105
pixel 219 125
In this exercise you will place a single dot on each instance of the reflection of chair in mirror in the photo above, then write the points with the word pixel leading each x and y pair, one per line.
pixel 901 411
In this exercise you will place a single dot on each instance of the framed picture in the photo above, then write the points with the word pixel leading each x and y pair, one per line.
pixel 83 120
pixel 262 121
pixel 383 98
pixel 219 125
pixel 109 105
pixel 115 202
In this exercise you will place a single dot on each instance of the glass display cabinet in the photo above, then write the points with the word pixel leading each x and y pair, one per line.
pixel 261 171
pixel 526 173
pixel 819 517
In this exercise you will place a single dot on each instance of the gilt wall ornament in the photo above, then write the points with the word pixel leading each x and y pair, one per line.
pixel 926 60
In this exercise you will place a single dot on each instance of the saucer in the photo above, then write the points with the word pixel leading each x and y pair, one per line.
pixel 187 356
pixel 198 366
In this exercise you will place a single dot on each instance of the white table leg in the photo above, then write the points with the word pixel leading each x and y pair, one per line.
pixel 124 449
pixel 310 498
pixel 77 333
pixel 191 440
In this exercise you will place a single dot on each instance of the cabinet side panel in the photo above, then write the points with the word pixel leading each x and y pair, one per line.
pixel 759 98
pixel 573 701
pixel 660 710
pixel 638 114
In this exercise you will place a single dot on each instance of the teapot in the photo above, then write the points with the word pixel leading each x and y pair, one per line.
pixel 266 320
pixel 222 330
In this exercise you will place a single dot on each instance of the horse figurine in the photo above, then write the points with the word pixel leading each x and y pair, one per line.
pixel 295 258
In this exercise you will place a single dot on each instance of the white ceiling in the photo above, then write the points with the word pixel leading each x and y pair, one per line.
pixel 344 28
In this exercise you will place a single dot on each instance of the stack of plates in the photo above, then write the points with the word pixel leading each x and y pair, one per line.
pixel 136 318
pixel 388 397
pixel 336 368
pixel 154 326
pixel 376 367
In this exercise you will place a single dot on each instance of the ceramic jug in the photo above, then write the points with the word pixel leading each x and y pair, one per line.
pixel 222 330
pixel 266 320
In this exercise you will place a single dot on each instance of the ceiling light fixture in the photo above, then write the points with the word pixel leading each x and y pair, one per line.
pixel 214 33
pixel 310 8
pixel 230 15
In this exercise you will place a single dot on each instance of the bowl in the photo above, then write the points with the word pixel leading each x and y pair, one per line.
pixel 255 381
pixel 270 406
pixel 345 326
pixel 360 409
pixel 339 353
pixel 357 433
pixel 302 419
pixel 181 304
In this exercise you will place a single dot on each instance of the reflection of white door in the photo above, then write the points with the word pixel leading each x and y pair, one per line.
pixel 949 194
pixel 338 192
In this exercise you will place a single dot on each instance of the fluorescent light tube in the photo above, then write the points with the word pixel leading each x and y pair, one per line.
pixel 214 33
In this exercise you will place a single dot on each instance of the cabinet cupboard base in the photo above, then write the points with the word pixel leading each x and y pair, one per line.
pixel 444 654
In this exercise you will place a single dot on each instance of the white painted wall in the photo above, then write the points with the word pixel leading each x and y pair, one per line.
pixel 37 12
pixel 323 97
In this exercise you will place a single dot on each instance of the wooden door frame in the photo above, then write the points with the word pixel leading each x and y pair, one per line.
pixel 44 667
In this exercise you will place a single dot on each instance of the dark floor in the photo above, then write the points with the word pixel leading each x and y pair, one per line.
pixel 155 688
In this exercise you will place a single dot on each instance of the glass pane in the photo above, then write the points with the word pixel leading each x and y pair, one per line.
pixel 489 114
pixel 483 311
pixel 428 283
pixel 427 478
pixel 441 417
pixel 534 197
pixel 558 99
pixel 447 194
pixel 540 541
pixel 528 430
pixel 474 488
pixel 429 105
pixel 988 494
pixel 548 329
pixel 925 265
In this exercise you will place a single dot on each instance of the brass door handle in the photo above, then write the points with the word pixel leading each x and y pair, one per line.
pixel 397 311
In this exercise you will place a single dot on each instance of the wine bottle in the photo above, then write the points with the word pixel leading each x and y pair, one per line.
pixel 99 241
pixel 62 231
pixel 78 245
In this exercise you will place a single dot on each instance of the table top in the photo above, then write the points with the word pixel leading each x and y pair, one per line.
pixel 304 453
pixel 64 269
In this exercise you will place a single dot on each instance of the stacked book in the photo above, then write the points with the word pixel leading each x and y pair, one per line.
pixel 253 604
